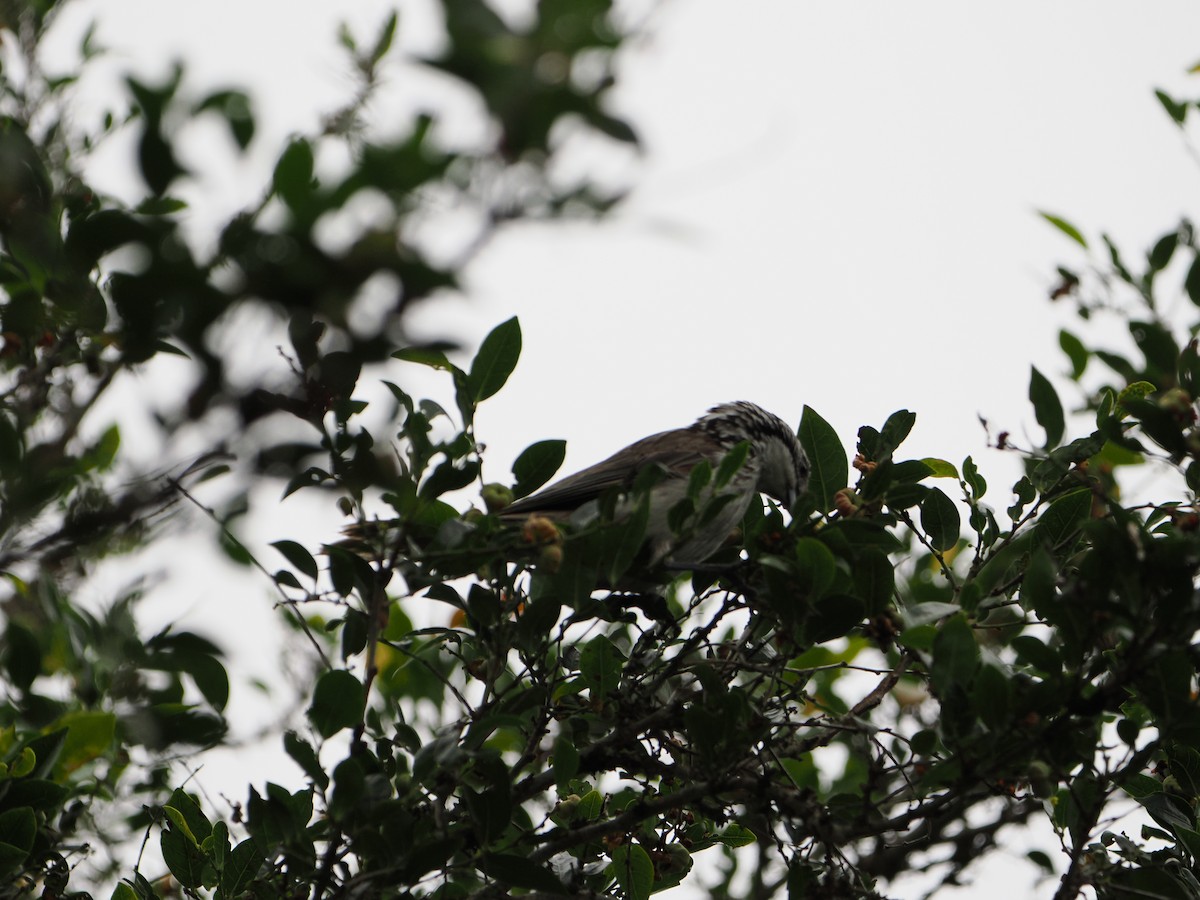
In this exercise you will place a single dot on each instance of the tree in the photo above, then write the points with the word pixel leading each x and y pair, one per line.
pixel 555 738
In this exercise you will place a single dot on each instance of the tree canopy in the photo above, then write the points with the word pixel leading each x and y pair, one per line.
pixel 885 682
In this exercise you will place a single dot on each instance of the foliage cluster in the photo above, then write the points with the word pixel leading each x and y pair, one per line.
pixel 856 692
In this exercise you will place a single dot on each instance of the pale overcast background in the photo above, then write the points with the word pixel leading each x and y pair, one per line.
pixel 835 207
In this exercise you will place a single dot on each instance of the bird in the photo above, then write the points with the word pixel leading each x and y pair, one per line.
pixel 775 465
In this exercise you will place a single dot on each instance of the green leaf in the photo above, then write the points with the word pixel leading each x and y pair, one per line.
pixel 241 867
pixel 1032 652
pixel 90 735
pixel 1065 227
pixel 1042 860
pixel 955 653
pixel 1192 282
pixel 1160 254
pixel 216 845
pixel 536 465
pixel 940 520
pixel 600 664
pixel 1138 390
pixel 302 752
pixel 1062 520
pixel 897 427
pixel 495 361
pixel 182 856
pixel 991 694
pixel 210 677
pixel 1175 109
pixel 940 468
pixel 1156 883
pixel 919 614
pixel 22 655
pixel 124 891
pixel 874 580
pixel 160 206
pixel 1161 425
pixel 1158 347
pixel 817 567
pixel 516 871
pixel 1111 455
pixel 1039 585
pixel 976 482
pixel 44 752
pixel 234 108
pixel 383 43
pixel 298 556
pixel 591 805
pixel 12 859
pixel 294 174
pixel 349 786
pixel 625 540
pixel 18 829
pixel 1046 407
pixel 910 471
pixel 101 455
pixel 42 795
pixel 833 615
pixel 424 356
pixel 736 835
pixel 1076 352
pixel 564 760
pixel 491 810
pixel 633 871
pixel 830 471
pixel 338 703
pixel 187 815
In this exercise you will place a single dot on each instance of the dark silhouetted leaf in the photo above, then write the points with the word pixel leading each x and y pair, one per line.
pixel 830 471
pixel 955 653
pixel 536 465
pixel 1046 407
pixel 633 871
pixel 520 872
pixel 298 556
pixel 337 703
pixel 940 519
pixel 1063 519
pixel 1076 352
pixel 600 664
pixel 495 361
pixel 1175 109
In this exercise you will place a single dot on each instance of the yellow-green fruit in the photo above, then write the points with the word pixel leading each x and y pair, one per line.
pixel 550 559
pixel 910 694
pixel 496 496
pixel 676 861
pixel 567 805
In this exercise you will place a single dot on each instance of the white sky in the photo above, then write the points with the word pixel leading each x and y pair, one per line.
pixel 835 206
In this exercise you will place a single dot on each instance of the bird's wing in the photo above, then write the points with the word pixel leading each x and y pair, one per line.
pixel 675 451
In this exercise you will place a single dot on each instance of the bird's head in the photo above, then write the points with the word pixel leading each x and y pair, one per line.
pixel 782 465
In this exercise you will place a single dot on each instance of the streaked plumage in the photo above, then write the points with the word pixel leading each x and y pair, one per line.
pixel 775 465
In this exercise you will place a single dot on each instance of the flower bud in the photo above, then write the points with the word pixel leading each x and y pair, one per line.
pixel 846 502
pixel 540 530
pixel 550 559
